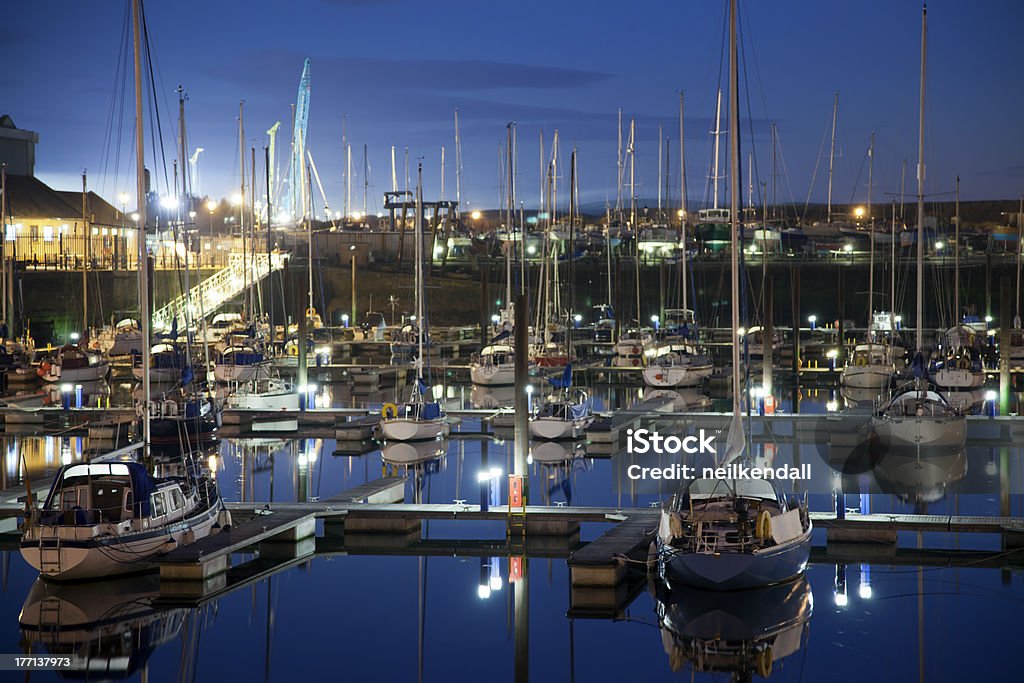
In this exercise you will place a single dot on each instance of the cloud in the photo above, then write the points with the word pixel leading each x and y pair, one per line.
pixel 364 74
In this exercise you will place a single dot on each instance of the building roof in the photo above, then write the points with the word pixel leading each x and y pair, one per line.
pixel 28 197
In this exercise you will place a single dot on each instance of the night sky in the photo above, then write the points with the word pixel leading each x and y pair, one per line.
pixel 398 69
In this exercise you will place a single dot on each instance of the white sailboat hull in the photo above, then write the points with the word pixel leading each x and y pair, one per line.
pixel 230 372
pixel 920 430
pixel 553 428
pixel 411 429
pixel 500 375
pixel 866 376
pixel 90 373
pixel 95 556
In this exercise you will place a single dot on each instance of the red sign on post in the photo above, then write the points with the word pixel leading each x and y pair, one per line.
pixel 515 568
pixel 515 491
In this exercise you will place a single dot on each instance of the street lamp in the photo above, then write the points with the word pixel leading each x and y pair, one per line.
pixel 475 215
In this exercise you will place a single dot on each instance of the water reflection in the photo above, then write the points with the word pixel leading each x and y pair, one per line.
pixel 742 633
pixel 112 626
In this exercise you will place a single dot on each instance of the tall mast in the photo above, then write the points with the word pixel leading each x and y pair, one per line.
pixel 956 259
pixel 241 201
pixel 682 196
pixel 458 167
pixel 309 238
pixel 618 173
pixel 920 181
pixel 510 203
pixel 632 216
pixel 660 165
pixel 348 166
pixel 442 174
pixel 717 133
pixel 140 196
pixel 394 173
pixel 420 323
pixel 892 265
pixel 1020 248
pixel 366 178
pixel 85 260
pixel 775 143
pixel 871 236
pixel 734 193
pixel 348 181
pixel 832 152
pixel 3 239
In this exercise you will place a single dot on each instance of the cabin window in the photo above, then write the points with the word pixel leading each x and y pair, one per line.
pixel 108 498
pixel 159 508
pixel 69 499
pixel 177 502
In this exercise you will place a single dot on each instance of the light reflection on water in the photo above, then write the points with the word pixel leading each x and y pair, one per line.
pixel 452 618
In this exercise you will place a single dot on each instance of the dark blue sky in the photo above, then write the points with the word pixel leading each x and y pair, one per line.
pixel 398 68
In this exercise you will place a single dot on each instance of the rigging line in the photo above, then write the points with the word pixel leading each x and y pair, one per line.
pixel 860 172
pixel 750 114
pixel 817 163
pixel 108 134
pixel 785 173
pixel 153 101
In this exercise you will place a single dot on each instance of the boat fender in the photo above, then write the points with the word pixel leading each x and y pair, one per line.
pixel 764 662
pixel 224 519
pixel 388 411
pixel 764 525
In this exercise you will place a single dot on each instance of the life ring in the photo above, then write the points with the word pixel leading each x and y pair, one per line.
pixel 388 411
pixel 764 525
pixel 635 350
pixel 636 362
pixel 861 361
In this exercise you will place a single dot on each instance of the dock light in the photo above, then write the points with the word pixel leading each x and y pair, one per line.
pixel 939 246
pixel 680 213
pixel 812 319
pixel 75 336
pixel 848 248
pixel 483 591
pixel 412 318
pixel 531 250
pixel 832 353
pixel 495 318
pixel 988 320
pixel 211 206
pixel 211 463
pixel 344 319
pixel 495 583
pixel 859 212
pixel 236 199
pixel 66 388
pixel 322 350
pixel 741 332
pixel 991 395
pixel 123 198
pixel 842 600
pixel 864 590
pixel 135 217
pixel 482 476
pixel 832 406
pixel 191 214
pixel 475 215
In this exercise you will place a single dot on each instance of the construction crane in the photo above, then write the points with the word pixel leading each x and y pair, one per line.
pixel 271 164
pixel 295 200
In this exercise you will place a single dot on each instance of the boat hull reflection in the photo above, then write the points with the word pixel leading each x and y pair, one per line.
pixel 742 632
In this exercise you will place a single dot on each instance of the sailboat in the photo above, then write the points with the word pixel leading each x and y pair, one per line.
pixel 495 366
pixel 725 533
pixel 963 366
pixel 103 519
pixel 871 365
pixel 420 418
pixel 566 414
pixel 918 413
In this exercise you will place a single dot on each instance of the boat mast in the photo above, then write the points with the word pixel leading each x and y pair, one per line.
pixel 241 210
pixel 717 133
pixel 660 165
pixel 420 323
pixel 632 215
pixel 140 195
pixel 956 259
pixel 682 198
pixel 85 260
pixel 871 237
pixel 618 177
pixel 920 182
pixel 1020 248
pixel 458 170
pixel 509 204
pixel 734 190
pixel 832 152
pixel 366 178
